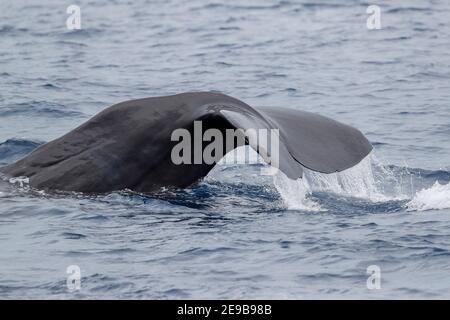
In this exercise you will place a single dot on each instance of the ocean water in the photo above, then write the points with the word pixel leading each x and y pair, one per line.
pixel 236 234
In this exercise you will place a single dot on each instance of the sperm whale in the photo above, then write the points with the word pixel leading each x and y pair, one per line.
pixel 129 145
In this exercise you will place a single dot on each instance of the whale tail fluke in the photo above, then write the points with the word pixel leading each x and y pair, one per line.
pixel 128 145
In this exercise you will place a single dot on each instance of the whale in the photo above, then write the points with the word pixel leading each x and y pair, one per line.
pixel 128 146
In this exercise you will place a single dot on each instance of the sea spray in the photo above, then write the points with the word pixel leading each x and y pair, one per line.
pixel 368 180
pixel 295 193
pixel 436 197
pixel 357 181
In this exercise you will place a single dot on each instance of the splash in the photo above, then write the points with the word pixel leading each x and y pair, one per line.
pixel 295 193
pixel 21 182
pixel 367 180
pixel 435 198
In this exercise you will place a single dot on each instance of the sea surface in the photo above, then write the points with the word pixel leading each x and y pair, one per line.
pixel 237 234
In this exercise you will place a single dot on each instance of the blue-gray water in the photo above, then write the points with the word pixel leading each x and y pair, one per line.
pixel 237 234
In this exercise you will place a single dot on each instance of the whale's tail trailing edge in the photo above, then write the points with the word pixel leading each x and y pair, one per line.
pixel 128 145
pixel 317 142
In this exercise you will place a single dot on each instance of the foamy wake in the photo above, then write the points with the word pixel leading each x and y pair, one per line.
pixel 435 198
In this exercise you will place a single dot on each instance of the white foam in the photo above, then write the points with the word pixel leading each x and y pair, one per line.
pixel 21 181
pixel 295 193
pixel 435 198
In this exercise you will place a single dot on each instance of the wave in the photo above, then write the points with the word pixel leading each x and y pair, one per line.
pixel 13 149
pixel 38 109
pixel 408 9
pixel 12 30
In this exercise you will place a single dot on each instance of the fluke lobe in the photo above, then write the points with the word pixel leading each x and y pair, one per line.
pixel 128 145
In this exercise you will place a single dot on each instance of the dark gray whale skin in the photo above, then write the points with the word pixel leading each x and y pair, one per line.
pixel 128 145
